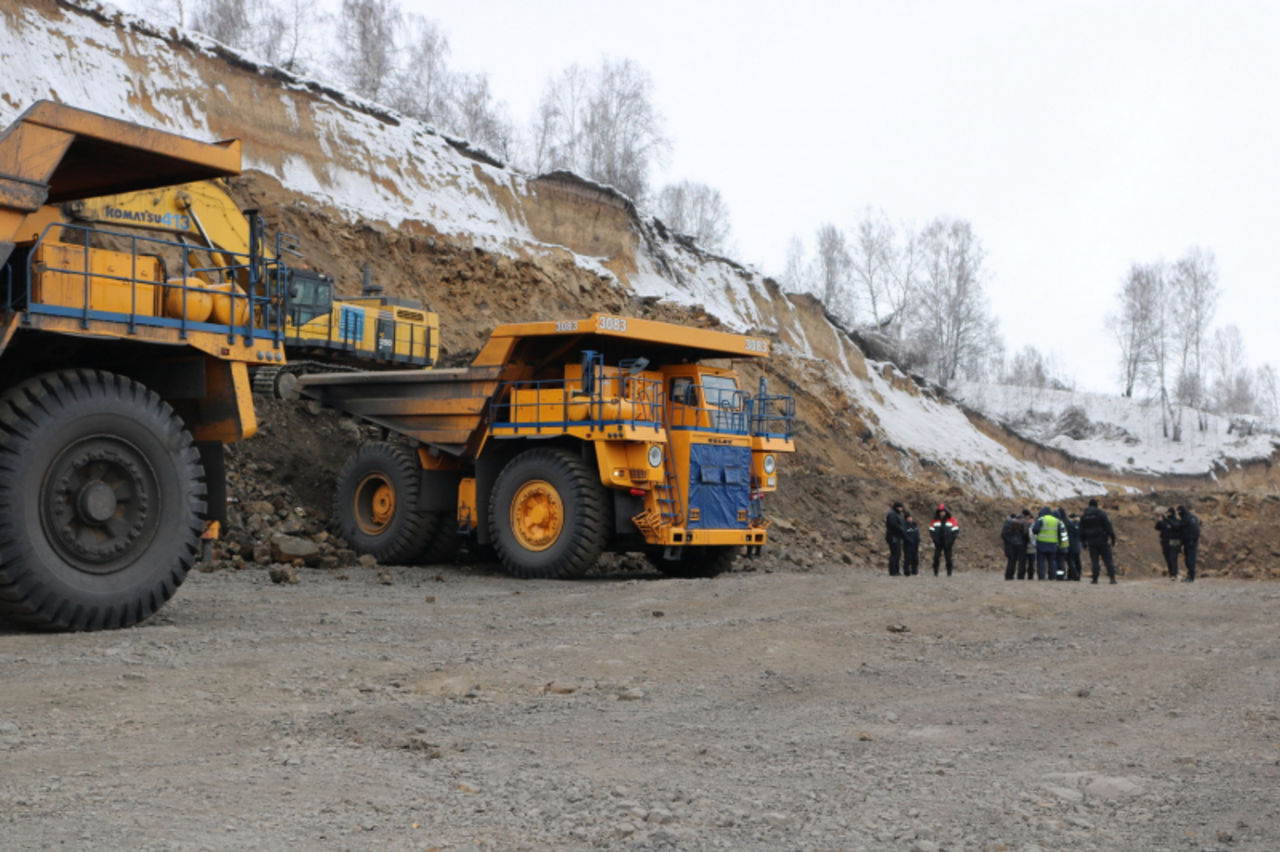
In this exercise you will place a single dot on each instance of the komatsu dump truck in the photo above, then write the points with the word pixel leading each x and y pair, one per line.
pixel 124 369
pixel 565 439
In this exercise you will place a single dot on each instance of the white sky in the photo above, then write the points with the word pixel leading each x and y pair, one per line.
pixel 1076 138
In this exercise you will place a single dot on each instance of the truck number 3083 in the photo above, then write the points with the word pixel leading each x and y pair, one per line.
pixel 757 345
pixel 612 324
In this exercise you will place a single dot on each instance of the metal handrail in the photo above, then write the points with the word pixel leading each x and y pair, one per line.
pixel 640 403
pixel 261 323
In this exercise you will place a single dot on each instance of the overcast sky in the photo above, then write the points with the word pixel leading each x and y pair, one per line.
pixel 1075 137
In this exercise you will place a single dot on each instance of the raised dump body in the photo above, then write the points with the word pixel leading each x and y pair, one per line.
pixel 565 439
pixel 123 370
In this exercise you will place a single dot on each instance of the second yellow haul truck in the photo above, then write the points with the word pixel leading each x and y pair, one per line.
pixel 565 439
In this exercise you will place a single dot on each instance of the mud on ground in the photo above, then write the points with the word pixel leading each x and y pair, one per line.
pixel 838 709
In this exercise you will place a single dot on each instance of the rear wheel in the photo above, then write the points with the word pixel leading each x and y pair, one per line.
pixel 101 498
pixel 378 504
pixel 695 561
pixel 547 517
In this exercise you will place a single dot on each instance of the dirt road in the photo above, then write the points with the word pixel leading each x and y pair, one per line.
pixel 466 710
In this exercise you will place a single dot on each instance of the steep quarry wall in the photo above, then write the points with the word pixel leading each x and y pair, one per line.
pixel 482 243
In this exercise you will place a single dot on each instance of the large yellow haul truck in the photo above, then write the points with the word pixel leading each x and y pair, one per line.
pixel 124 369
pixel 563 440
pixel 323 331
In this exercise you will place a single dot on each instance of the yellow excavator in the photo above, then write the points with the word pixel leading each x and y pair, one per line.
pixel 323 332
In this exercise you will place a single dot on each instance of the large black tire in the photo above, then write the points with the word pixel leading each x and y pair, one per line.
pixel 533 535
pixel 707 561
pixel 378 504
pixel 101 498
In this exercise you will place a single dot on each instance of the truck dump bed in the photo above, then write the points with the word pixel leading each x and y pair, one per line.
pixel 441 408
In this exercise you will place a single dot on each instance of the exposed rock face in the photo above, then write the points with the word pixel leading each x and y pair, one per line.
pixel 483 244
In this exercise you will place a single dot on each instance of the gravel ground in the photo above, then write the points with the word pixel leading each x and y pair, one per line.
pixel 839 710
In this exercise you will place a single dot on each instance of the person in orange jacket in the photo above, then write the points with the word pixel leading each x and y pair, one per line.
pixel 943 530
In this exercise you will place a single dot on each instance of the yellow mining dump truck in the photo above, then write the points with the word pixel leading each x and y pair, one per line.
pixel 563 440
pixel 323 331
pixel 124 369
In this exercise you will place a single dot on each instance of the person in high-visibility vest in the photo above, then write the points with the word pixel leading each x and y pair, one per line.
pixel 1046 533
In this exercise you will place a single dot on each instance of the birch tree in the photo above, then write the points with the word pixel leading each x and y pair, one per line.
pixel 953 323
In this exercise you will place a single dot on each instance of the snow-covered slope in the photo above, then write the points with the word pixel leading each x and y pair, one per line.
pixel 371 164
pixel 1127 435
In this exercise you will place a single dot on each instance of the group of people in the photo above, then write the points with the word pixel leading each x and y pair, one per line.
pixel 1179 532
pixel 902 534
pixel 1045 547
pixel 1048 546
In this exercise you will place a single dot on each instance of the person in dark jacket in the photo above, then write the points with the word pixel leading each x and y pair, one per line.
pixel 1074 568
pixel 1098 536
pixel 1045 532
pixel 1012 536
pixel 1190 540
pixel 910 547
pixel 943 530
pixel 1170 540
pixel 1028 566
pixel 1060 563
pixel 894 527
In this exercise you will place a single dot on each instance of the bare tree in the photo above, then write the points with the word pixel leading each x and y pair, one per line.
pixel 560 125
pixel 367 32
pixel 906 261
pixel 696 210
pixel 1268 391
pixel 285 29
pixel 602 125
pixel 833 273
pixel 953 323
pixel 226 21
pixel 1028 368
pixel 478 117
pixel 871 264
pixel 797 275
pixel 424 85
pixel 1133 326
pixel 172 13
pixel 1194 287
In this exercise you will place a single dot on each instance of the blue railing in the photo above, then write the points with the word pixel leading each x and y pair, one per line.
pixel 618 401
pixel 773 416
pixel 259 303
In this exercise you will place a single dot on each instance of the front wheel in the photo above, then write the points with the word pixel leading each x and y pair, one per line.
pixel 101 498
pixel 547 516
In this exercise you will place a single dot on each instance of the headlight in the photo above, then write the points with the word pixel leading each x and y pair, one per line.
pixel 655 456
pixel 770 464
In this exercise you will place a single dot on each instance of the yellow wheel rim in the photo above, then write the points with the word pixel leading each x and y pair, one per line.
pixel 537 515
pixel 375 504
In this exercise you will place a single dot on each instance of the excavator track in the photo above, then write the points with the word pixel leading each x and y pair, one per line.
pixel 282 382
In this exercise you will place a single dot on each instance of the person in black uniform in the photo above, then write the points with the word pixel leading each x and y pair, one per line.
pixel 1012 536
pixel 1170 540
pixel 1074 568
pixel 894 528
pixel 1098 536
pixel 943 530
pixel 1190 540
pixel 910 547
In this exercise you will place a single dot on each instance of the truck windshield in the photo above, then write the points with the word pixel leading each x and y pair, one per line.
pixel 721 392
